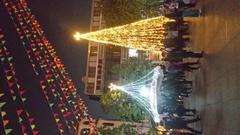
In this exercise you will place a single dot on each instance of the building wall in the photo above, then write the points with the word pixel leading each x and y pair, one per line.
pixel 101 57
pixel 96 55
pixel 141 128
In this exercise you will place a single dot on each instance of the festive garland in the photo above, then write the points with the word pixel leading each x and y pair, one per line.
pixel 18 97
pixel 67 107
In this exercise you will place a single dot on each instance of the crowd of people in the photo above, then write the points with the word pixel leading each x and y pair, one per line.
pixel 175 87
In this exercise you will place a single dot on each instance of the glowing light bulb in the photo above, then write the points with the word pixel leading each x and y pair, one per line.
pixel 77 36
pixel 114 87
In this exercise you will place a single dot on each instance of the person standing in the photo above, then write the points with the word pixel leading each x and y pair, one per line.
pixel 179 123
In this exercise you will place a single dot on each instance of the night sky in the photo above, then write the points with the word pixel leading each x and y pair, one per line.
pixel 60 19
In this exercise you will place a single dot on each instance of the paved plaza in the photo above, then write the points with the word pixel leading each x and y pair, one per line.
pixel 217 84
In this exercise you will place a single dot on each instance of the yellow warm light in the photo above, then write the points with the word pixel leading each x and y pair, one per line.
pixel 77 36
pixel 160 130
pixel 112 87
pixel 147 35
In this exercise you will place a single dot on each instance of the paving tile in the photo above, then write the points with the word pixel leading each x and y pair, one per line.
pixel 217 84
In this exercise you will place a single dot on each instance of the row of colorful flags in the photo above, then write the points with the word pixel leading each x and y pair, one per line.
pixel 66 106
pixel 13 97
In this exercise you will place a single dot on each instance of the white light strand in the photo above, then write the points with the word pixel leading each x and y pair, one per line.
pixel 137 91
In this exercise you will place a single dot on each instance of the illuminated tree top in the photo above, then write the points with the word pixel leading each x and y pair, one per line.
pixel 144 92
pixel 145 35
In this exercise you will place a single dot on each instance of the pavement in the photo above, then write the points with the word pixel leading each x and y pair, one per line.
pixel 217 83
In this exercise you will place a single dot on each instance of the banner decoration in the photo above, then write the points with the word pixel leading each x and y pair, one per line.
pixel 67 107
pixel 20 118
pixel 47 88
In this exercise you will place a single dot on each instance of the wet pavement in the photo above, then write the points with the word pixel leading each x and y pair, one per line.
pixel 217 84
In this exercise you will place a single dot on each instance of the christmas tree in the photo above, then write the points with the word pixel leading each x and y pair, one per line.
pixel 147 35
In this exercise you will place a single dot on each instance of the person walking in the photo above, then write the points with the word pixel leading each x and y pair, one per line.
pixel 179 123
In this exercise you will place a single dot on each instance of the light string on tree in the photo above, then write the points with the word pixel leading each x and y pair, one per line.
pixel 26 122
pixel 146 35
pixel 144 92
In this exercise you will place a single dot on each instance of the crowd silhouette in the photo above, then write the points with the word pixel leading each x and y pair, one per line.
pixel 177 60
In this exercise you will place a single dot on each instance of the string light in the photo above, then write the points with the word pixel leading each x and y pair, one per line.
pixel 144 91
pixel 147 35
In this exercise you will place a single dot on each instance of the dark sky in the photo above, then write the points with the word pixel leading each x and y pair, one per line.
pixel 60 19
